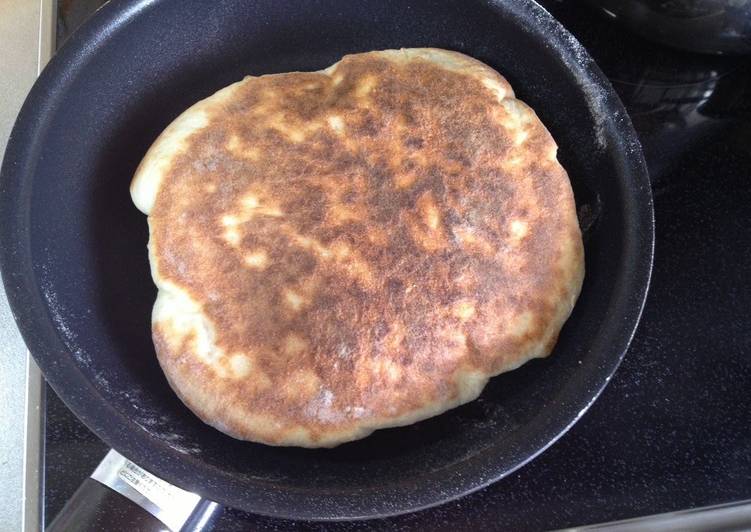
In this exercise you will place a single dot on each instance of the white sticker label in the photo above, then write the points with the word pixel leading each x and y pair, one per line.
pixel 161 493
pixel 166 502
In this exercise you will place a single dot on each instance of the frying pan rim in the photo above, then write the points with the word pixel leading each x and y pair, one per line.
pixel 27 302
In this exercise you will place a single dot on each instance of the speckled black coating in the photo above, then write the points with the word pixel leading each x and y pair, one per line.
pixel 75 268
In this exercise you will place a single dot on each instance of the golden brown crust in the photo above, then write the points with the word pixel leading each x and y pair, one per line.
pixel 361 247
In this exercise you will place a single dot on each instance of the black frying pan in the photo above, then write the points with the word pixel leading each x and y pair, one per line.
pixel 75 267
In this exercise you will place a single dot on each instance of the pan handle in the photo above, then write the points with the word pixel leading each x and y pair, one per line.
pixel 120 495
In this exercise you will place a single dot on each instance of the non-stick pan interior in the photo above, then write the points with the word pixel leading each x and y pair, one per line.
pixel 88 294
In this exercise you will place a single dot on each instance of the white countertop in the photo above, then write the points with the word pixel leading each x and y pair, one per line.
pixel 26 40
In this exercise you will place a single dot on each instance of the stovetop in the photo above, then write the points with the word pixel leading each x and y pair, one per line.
pixel 673 428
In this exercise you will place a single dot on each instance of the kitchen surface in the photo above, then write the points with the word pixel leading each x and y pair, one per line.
pixel 672 430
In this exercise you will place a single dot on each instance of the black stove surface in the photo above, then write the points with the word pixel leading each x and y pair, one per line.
pixel 673 428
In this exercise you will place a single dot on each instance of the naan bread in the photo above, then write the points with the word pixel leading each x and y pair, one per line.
pixel 357 248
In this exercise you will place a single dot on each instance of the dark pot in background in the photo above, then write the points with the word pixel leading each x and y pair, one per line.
pixel 709 26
